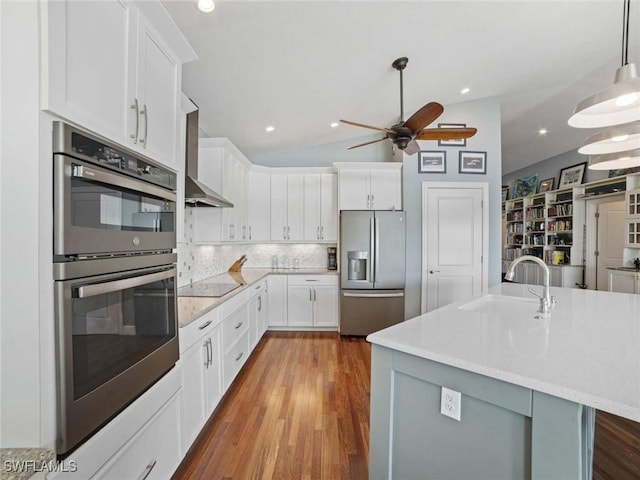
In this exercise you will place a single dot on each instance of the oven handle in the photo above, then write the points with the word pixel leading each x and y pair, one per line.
pixel 107 287
pixel 82 171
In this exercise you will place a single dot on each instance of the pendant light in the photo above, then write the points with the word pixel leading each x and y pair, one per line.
pixel 613 139
pixel 615 161
pixel 618 104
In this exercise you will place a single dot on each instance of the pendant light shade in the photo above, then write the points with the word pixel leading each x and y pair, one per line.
pixel 618 104
pixel 615 161
pixel 613 139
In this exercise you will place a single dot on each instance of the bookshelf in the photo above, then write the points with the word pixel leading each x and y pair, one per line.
pixel 514 211
pixel 559 227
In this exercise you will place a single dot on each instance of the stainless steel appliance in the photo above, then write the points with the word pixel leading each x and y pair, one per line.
pixel 332 258
pixel 114 279
pixel 372 276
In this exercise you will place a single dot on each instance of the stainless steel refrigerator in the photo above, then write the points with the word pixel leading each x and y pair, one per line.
pixel 372 276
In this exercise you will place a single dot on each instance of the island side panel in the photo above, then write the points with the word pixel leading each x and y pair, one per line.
pixel 494 439
pixel 380 408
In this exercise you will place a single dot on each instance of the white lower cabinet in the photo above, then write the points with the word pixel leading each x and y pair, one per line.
pixel 277 308
pixel 312 301
pixel 153 453
pixel 624 282
pixel 201 378
pixel 257 313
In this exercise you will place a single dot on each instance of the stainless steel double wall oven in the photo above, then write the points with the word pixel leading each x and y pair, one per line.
pixel 114 279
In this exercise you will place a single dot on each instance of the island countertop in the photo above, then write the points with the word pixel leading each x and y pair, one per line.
pixel 587 350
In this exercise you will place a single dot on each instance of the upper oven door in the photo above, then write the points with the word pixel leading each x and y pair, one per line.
pixel 97 211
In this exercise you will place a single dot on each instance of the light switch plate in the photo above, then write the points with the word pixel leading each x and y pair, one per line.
pixel 450 403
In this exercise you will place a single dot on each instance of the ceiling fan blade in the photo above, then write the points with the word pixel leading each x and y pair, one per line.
pixel 385 130
pixel 367 143
pixel 446 133
pixel 423 117
pixel 412 147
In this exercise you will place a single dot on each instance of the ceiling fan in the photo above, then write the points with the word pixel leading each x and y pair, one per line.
pixel 404 134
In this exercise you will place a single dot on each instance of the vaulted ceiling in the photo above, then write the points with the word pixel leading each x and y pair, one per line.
pixel 300 65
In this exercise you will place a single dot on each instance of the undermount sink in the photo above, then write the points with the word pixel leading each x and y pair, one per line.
pixel 504 306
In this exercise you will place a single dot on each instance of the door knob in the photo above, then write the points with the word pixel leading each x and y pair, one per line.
pixel 434 271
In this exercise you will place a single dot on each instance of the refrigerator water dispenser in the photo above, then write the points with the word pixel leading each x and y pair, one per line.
pixel 357 268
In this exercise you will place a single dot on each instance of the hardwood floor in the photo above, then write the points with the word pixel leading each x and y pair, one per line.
pixel 299 409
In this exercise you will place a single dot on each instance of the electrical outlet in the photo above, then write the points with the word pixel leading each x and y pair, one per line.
pixel 450 403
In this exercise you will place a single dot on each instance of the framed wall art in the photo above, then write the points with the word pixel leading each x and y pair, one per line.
pixel 432 162
pixel 462 142
pixel 546 185
pixel 523 187
pixel 572 175
pixel 472 162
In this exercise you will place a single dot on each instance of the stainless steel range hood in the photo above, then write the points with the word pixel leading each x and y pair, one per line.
pixel 195 192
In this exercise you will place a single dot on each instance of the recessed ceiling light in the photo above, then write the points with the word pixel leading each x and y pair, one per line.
pixel 542 131
pixel 334 124
pixel 206 6
pixel 465 90
pixel 270 128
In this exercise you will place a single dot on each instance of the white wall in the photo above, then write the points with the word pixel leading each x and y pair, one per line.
pixel 485 116
pixel 20 420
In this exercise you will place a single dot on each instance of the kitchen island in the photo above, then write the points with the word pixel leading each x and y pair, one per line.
pixel 529 385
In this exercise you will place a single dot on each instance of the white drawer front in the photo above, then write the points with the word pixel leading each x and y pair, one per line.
pixel 234 326
pixel 155 449
pixel 312 280
pixel 197 329
pixel 235 358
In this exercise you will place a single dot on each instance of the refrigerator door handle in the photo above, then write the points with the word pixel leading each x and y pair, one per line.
pixel 373 295
pixel 377 244
pixel 372 246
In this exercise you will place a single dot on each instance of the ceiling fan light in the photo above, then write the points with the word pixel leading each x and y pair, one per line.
pixel 619 138
pixel 614 105
pixel 615 161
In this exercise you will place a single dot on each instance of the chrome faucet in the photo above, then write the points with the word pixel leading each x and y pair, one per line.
pixel 546 300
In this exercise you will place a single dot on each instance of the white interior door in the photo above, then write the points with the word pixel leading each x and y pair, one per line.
pixel 454 242
pixel 611 230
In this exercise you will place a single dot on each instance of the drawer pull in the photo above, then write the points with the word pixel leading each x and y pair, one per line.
pixel 258 287
pixel 147 470
pixel 239 356
pixel 238 325
pixel 205 325
pixel 310 280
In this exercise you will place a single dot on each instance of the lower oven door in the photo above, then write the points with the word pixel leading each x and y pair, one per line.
pixel 116 335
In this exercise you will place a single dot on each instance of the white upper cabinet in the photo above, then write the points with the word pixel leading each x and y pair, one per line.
pixel 86 64
pixel 320 207
pixel 157 96
pixel 259 196
pixel 287 206
pixel 369 186
pixel 107 69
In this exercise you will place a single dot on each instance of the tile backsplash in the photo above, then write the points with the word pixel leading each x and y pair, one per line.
pixel 196 262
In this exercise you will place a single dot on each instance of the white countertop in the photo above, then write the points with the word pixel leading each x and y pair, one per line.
pixel 587 352
pixel 190 308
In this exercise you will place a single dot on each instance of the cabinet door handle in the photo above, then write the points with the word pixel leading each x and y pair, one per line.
pixel 284 232
pixel 239 356
pixel 318 232
pixel 238 325
pixel 288 233
pixel 205 345
pixel 249 232
pixel 368 201
pixel 434 271
pixel 147 470
pixel 315 295
pixel 259 304
pixel 210 353
pixel 205 325
pixel 373 201
pixel 145 112
pixel 322 232
pixel 310 297
pixel 134 106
